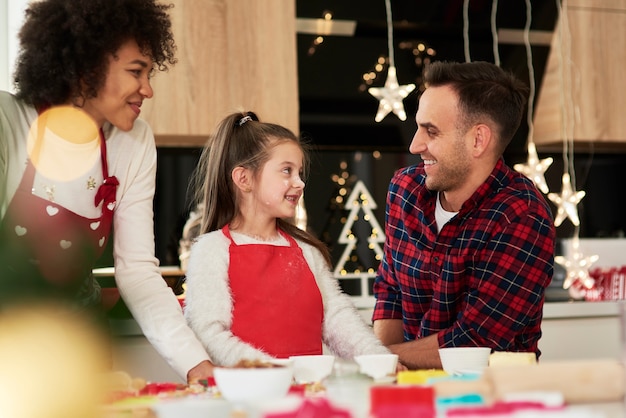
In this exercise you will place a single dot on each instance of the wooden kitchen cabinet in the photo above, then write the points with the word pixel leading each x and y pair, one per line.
pixel 581 93
pixel 232 55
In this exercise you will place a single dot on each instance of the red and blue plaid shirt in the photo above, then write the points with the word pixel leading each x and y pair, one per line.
pixel 481 280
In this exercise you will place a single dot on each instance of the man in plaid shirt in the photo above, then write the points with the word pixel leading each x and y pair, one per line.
pixel 470 243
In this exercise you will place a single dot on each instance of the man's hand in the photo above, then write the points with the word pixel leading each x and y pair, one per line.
pixel 203 370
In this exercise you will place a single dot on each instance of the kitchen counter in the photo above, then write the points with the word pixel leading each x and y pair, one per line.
pixel 570 310
pixel 571 331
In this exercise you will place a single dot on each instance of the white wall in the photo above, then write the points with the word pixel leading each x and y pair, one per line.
pixel 11 17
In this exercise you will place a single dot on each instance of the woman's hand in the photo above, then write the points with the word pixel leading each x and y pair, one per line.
pixel 203 370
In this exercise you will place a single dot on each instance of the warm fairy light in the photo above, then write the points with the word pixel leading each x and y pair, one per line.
pixel 318 40
pixel 566 202
pixel 577 266
pixel 390 96
pixel 535 168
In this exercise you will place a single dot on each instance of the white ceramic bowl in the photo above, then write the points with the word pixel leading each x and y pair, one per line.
pixel 377 366
pixel 312 368
pixel 192 407
pixel 254 384
pixel 464 360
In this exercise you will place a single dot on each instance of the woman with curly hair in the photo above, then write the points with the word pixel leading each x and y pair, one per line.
pixel 76 163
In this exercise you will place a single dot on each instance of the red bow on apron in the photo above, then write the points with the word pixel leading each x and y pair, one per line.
pixel 277 306
pixel 48 248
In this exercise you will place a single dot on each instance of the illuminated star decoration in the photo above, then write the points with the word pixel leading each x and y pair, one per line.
pixel 535 168
pixel 577 267
pixel 566 202
pixel 392 94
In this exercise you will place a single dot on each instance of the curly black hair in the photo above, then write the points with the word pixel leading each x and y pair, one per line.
pixel 65 45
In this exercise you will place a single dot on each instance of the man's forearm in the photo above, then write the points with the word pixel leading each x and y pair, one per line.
pixel 389 331
pixel 418 354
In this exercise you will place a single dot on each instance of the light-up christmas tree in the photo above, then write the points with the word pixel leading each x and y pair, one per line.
pixel 363 238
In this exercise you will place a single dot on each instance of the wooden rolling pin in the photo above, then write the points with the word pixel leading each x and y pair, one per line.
pixel 583 381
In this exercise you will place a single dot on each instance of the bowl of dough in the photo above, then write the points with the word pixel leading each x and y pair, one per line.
pixel 253 381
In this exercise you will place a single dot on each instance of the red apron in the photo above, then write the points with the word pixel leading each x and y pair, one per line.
pixel 49 249
pixel 277 306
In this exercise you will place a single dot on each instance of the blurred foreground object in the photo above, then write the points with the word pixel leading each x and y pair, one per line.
pixel 51 361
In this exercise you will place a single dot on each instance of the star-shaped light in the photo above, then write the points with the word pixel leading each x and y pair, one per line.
pixel 566 202
pixel 535 168
pixel 391 96
pixel 577 267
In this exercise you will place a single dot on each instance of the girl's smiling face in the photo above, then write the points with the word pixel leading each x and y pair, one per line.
pixel 126 85
pixel 279 185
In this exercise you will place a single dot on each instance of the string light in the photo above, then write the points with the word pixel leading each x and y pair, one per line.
pixel 392 94
pixel 576 264
pixel 566 202
pixel 466 48
pixel 327 15
pixel 494 32
pixel 534 168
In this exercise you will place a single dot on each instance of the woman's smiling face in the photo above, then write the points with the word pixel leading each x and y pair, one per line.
pixel 126 85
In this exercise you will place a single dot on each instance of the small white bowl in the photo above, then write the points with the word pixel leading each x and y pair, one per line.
pixel 464 360
pixel 312 368
pixel 254 384
pixel 377 366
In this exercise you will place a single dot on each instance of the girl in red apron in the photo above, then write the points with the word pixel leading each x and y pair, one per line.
pixel 258 287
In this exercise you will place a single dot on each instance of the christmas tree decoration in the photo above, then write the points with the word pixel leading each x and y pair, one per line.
pixel 361 206
pixel 566 202
pixel 392 94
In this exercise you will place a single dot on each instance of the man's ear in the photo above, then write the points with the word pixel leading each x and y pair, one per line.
pixel 242 179
pixel 482 139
